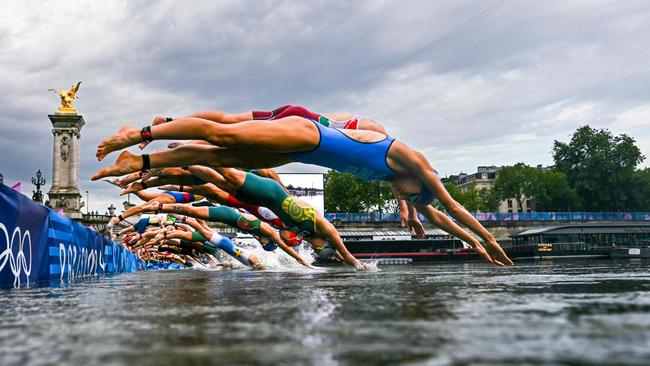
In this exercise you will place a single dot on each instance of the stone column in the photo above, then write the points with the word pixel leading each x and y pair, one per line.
pixel 64 193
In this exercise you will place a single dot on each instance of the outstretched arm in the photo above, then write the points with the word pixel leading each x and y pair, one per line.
pixel 408 216
pixel 448 225
pixel 456 210
pixel 328 230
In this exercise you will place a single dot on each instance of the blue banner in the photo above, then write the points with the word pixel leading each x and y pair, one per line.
pixel 501 216
pixel 37 244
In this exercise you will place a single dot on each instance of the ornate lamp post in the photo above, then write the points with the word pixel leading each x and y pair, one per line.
pixel 38 182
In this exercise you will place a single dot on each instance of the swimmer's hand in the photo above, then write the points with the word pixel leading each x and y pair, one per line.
pixel 494 254
pixel 409 219
pixel 497 254
pixel 403 217
pixel 360 266
pixel 415 226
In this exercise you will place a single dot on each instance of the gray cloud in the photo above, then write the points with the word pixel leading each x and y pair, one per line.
pixel 498 90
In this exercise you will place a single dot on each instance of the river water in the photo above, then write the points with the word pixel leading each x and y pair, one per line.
pixel 562 312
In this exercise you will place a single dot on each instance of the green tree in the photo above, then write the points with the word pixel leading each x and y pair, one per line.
pixel 378 197
pixel 342 192
pixel 489 200
pixel 347 193
pixel 517 181
pixel 454 192
pixel 641 191
pixel 600 167
pixel 551 192
pixel 474 199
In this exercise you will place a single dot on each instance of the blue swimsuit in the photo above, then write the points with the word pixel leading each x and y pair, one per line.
pixel 338 151
pixel 183 197
pixel 142 224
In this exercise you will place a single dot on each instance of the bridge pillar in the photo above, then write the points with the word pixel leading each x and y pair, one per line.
pixel 64 193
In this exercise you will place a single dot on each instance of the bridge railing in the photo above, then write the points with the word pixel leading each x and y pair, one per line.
pixel 502 216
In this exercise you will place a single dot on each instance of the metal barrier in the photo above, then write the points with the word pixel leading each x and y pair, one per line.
pixel 502 216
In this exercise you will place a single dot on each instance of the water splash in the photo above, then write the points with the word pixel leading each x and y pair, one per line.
pixel 372 265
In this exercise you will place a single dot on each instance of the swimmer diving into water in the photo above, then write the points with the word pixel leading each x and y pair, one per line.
pixel 263 144
pixel 231 217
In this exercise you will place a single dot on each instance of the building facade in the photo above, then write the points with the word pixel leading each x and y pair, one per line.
pixel 484 178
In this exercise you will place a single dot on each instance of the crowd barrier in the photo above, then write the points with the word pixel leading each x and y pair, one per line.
pixel 503 216
pixel 37 244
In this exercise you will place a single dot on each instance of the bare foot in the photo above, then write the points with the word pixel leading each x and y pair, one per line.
pixel 132 188
pixel 124 137
pixel 125 163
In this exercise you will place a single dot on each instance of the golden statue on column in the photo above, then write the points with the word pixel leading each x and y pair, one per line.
pixel 66 98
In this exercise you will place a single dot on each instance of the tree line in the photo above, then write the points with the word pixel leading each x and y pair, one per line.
pixel 594 171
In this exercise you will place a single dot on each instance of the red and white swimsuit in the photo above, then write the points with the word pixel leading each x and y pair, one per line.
pixel 294 110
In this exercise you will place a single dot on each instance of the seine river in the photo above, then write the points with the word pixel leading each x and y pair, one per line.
pixel 537 313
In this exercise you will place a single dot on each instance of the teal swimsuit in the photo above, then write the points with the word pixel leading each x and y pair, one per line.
pixel 234 218
pixel 268 193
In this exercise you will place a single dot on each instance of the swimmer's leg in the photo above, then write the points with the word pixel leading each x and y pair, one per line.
pixel 214 116
pixel 240 254
pixel 223 117
pixel 291 134
pixel 194 155
pixel 145 196
pixel 178 208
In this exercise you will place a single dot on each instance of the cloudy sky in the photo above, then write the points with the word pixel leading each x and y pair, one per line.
pixel 466 82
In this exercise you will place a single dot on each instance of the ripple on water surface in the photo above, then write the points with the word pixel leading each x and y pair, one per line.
pixel 577 312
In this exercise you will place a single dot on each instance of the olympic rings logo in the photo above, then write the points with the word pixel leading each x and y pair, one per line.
pixel 21 262
pixel 79 263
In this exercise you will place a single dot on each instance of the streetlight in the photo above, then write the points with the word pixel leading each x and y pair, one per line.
pixel 38 182
pixel 87 203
